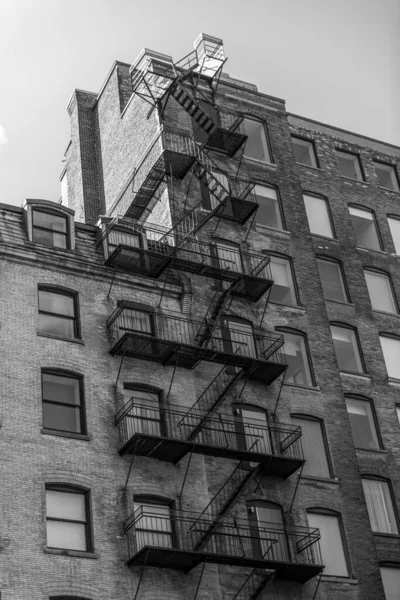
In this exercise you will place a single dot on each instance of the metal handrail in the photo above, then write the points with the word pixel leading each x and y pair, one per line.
pixel 221 430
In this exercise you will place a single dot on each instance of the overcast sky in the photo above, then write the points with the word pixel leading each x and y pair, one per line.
pixel 336 61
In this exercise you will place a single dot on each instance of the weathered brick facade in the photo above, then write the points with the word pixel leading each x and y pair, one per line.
pixel 110 134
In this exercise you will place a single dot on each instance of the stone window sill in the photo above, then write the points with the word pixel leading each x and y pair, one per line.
pixel 262 163
pixel 375 450
pixel 337 579
pixel 352 179
pixel 318 169
pixel 66 434
pixel 333 480
pixel 62 338
pixel 324 237
pixel 310 388
pixel 76 553
pixel 291 306
pixel 371 250
pixel 340 302
pixel 364 376
pixel 272 229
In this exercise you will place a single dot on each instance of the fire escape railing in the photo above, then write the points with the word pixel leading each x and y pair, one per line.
pixel 226 345
pixel 234 541
pixel 140 419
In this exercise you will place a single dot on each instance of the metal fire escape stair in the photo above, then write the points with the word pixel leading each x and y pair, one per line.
pixel 186 100
pixel 254 585
pixel 212 397
pixel 224 499
pixel 216 307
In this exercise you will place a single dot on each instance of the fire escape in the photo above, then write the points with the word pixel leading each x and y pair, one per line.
pixel 168 432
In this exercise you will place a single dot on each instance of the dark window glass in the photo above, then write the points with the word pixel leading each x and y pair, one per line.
pixel 49 228
pixel 349 165
pixel 256 146
pixel 57 314
pixel 332 280
pixel 387 177
pixel 391 582
pixel 304 152
pixel 365 229
pixel 266 521
pixel 362 423
pixel 314 448
pixel 347 349
pixel 283 290
pixel 296 357
pixel 268 212
pixel 62 403
pixel 67 522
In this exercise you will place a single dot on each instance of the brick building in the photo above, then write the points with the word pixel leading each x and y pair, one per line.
pixel 200 383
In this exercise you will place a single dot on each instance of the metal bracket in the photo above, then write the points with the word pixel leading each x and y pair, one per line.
pixel 141 575
pixel 120 367
pixel 199 582
pixel 130 466
pixel 279 393
pixel 186 472
pixel 296 488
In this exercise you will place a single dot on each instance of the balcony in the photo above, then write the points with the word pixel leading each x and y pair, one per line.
pixel 169 432
pixel 171 542
pixel 169 339
pixel 149 250
pixel 173 154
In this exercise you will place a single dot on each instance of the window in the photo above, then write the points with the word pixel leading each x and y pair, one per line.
pixel 269 210
pixel 391 582
pixel 144 415
pixel 391 354
pixel 210 200
pixel 394 225
pixel 62 402
pixel 283 290
pixel 266 518
pixel 238 337
pixel 380 291
pixel 347 349
pixel 349 165
pixel 126 238
pixel 318 215
pixel 57 313
pixel 331 275
pixel 398 412
pixel 365 228
pixel 256 146
pixel 380 506
pixel 331 543
pixel 227 256
pixel 153 525
pixel 138 320
pixel 67 520
pixel 363 424
pixel 49 228
pixel 314 446
pixel 296 357
pixel 387 177
pixel 252 429
pixel 304 152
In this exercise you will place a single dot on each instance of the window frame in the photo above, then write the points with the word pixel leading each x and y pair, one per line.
pixel 343 325
pixel 50 211
pixel 293 274
pixel 314 151
pixel 395 174
pixel 388 565
pixel 151 389
pixel 278 201
pixel 392 217
pixel 362 398
pixel 159 501
pixel 373 477
pixel 47 206
pixel 75 319
pixel 391 289
pixel 333 513
pixel 328 210
pixel 378 233
pixel 247 117
pixel 357 157
pixel 303 334
pixel 240 424
pixel 394 337
pixel 308 417
pixel 86 493
pixel 82 405
pixel 323 258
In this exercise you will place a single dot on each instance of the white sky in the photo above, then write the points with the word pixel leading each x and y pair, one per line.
pixel 335 61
